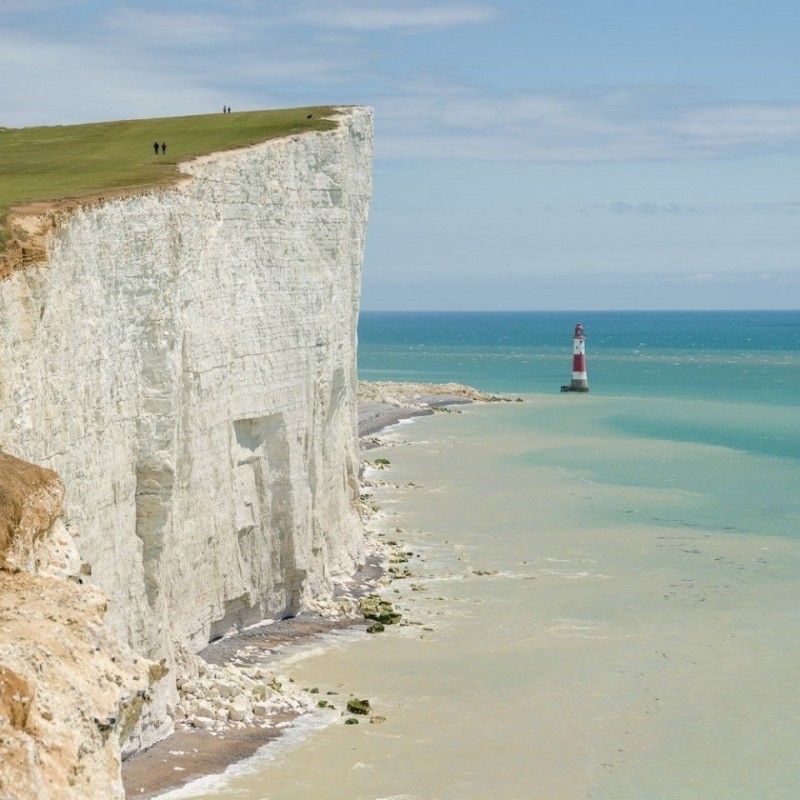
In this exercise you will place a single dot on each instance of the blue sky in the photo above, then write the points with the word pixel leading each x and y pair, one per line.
pixel 553 154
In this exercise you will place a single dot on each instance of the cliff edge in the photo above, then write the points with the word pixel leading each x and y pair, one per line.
pixel 184 358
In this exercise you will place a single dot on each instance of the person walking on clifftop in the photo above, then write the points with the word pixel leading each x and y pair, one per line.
pixel 155 147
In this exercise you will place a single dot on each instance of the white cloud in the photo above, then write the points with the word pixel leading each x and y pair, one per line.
pixel 372 15
pixel 776 208
pixel 87 85
pixel 153 30
pixel 26 6
pixel 648 209
pixel 698 277
pixel 727 278
pixel 135 62
pixel 141 59
pixel 251 50
pixel 753 124
pixel 604 124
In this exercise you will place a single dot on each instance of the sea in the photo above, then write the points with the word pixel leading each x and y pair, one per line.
pixel 603 590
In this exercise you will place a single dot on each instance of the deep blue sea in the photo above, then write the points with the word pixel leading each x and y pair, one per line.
pixel 751 356
pixel 746 361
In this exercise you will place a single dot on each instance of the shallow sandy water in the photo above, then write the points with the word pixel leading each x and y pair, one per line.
pixel 608 621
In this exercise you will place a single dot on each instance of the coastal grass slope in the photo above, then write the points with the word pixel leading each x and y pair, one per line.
pixel 69 162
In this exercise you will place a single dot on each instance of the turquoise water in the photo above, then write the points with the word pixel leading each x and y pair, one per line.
pixel 603 600
pixel 729 380
pixel 742 356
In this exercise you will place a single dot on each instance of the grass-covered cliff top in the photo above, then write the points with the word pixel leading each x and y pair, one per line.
pixel 69 162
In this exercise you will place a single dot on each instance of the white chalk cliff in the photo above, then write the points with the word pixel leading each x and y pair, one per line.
pixel 185 360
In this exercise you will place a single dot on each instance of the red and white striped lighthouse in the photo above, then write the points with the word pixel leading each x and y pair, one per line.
pixel 579 382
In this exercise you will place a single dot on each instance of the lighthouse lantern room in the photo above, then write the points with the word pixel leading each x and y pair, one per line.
pixel 579 382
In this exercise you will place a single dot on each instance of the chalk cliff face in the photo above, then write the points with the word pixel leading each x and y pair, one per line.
pixel 185 360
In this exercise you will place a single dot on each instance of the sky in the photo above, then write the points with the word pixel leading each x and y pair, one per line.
pixel 529 155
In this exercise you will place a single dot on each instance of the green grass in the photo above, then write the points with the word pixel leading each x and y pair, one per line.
pixel 73 161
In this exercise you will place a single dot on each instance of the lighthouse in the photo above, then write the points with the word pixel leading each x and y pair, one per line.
pixel 579 382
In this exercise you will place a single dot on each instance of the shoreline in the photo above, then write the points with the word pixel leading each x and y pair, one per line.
pixel 385 403
pixel 193 752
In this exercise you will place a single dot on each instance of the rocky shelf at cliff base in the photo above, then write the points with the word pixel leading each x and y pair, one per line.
pixel 235 697
pixel 384 403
